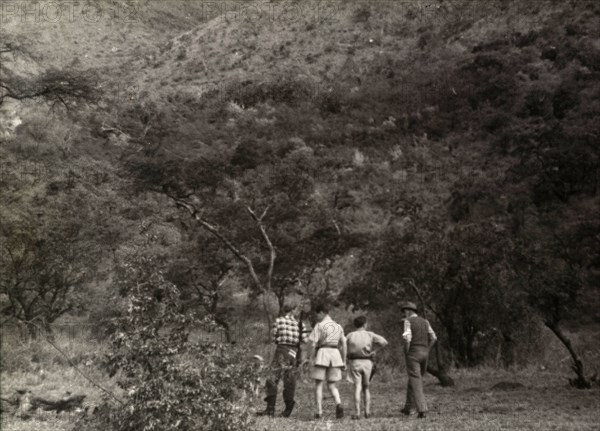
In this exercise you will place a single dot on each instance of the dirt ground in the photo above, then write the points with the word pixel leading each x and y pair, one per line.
pixel 545 402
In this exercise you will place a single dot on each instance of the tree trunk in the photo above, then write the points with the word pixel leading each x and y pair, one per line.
pixel 470 351
pixel 507 350
pixel 33 331
pixel 47 328
pixel 280 302
pixel 268 316
pixel 226 328
pixel 442 375
pixel 580 382
pixel 440 371
pixel 67 404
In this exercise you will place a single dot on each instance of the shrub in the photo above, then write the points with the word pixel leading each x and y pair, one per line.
pixel 329 101
pixel 171 382
pixel 564 99
pixel 362 14
pixel 284 88
pixel 537 103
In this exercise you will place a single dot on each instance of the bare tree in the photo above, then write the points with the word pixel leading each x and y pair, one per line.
pixel 54 86
pixel 263 284
pixel 40 276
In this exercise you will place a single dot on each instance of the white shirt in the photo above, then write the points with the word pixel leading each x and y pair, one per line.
pixel 327 333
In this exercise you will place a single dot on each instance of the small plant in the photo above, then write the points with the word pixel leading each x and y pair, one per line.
pixel 362 14
pixel 329 101
pixel 182 54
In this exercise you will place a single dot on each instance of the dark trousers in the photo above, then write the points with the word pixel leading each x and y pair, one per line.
pixel 283 366
pixel 416 367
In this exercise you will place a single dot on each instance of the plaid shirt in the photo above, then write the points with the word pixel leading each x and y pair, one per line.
pixel 286 330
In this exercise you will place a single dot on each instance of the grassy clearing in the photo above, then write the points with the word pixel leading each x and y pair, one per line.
pixel 40 368
pixel 545 402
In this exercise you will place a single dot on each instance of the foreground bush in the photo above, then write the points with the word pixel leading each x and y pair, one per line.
pixel 170 382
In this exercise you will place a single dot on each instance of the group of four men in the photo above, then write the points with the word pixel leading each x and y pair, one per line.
pixel 331 352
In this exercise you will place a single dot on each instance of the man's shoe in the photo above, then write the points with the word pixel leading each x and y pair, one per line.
pixel 339 411
pixel 289 406
pixel 405 412
pixel 318 415
pixel 421 415
pixel 367 415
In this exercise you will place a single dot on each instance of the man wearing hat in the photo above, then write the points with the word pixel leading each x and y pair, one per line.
pixel 418 338
pixel 287 335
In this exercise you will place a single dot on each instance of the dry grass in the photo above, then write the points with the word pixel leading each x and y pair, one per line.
pixel 545 402
pixel 40 368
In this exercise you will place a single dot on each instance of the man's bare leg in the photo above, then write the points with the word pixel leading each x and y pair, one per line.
pixel 367 397
pixel 357 391
pixel 339 409
pixel 333 390
pixel 319 396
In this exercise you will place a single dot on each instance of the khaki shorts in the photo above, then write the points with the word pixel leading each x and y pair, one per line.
pixel 333 374
pixel 359 370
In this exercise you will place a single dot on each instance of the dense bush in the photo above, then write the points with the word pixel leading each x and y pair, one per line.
pixel 171 382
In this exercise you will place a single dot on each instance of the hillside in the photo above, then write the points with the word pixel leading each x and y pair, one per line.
pixel 172 173
pixel 343 42
pixel 378 122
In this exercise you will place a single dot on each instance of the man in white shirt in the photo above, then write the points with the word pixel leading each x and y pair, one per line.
pixel 418 338
pixel 327 339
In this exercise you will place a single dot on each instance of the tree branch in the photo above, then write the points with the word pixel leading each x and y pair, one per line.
pixel 424 305
pixel 213 230
pixel 581 382
pixel 272 252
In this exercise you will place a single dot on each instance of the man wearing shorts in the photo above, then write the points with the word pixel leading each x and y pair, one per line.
pixel 326 340
pixel 362 346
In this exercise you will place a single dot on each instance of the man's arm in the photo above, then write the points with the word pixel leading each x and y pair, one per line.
pixel 407 335
pixel 304 333
pixel 378 343
pixel 274 331
pixel 311 343
pixel 431 334
pixel 344 343
pixel 302 342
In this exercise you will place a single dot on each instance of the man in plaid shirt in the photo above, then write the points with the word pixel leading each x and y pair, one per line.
pixel 287 336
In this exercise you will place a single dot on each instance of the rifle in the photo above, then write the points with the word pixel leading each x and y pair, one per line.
pixel 303 316
pixel 373 371
pixel 300 329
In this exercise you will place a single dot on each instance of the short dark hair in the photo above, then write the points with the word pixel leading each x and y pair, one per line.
pixel 360 321
pixel 322 308
pixel 288 307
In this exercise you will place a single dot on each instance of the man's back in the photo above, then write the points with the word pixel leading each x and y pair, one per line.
pixel 420 331
pixel 360 343
pixel 286 330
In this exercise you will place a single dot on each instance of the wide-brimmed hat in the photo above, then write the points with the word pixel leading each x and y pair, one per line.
pixel 408 306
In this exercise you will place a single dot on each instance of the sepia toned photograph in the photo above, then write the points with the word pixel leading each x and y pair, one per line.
pixel 299 215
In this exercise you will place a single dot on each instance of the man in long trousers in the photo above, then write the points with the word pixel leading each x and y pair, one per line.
pixel 288 337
